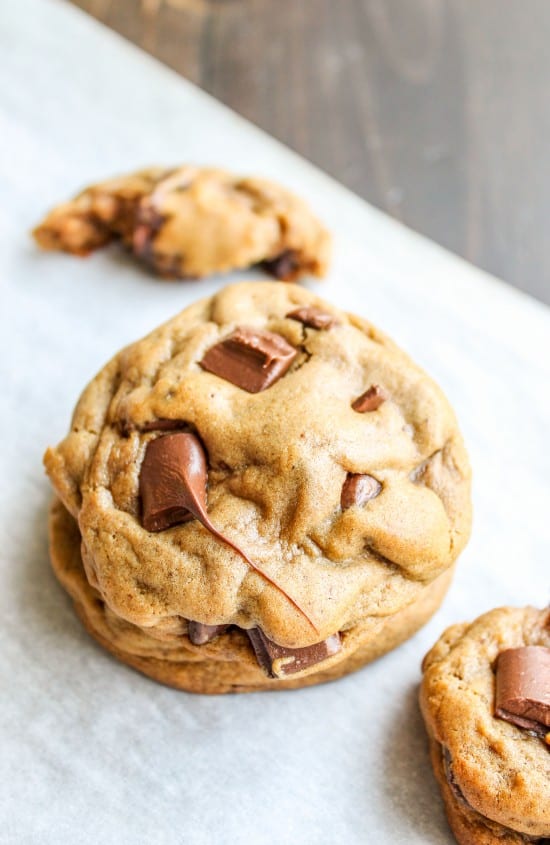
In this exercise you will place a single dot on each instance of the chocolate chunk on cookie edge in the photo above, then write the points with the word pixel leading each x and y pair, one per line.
pixel 200 634
pixel 523 687
pixel 279 662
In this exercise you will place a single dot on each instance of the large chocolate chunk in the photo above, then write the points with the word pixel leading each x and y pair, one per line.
pixel 172 486
pixel 313 317
pixel 278 661
pixel 172 481
pixel 200 634
pixel 523 688
pixel 370 400
pixel 250 358
pixel 358 490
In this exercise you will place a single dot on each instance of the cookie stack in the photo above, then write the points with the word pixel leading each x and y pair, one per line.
pixel 263 493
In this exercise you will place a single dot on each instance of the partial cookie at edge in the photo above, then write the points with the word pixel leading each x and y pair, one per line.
pixel 500 773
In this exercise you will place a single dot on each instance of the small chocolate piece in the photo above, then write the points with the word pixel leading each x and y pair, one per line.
pixel 278 661
pixel 358 490
pixel 370 400
pixel 164 425
pixel 200 634
pixel 313 317
pixel 523 688
pixel 285 266
pixel 148 224
pixel 450 775
pixel 172 486
pixel 250 358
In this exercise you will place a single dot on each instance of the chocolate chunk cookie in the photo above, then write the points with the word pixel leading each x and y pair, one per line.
pixel 190 222
pixel 232 514
pixel 485 697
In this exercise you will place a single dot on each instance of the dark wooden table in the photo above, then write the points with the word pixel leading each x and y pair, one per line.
pixel 436 111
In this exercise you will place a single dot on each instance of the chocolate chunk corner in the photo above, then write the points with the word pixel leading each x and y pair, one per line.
pixel 200 634
pixel 523 688
pixel 358 490
pixel 370 400
pixel 278 661
pixel 251 359
pixel 313 317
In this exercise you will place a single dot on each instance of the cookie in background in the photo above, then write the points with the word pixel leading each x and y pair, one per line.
pixel 189 222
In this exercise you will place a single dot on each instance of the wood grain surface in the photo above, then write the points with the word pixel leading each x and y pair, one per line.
pixel 436 111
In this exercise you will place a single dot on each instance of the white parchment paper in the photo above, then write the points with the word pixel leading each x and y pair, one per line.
pixel 90 751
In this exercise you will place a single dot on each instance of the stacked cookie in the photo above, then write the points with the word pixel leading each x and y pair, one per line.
pixel 263 493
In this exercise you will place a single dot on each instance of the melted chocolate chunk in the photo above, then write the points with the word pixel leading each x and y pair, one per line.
pixel 313 317
pixel 172 481
pixel 370 400
pixel 250 358
pixel 200 634
pixel 172 486
pixel 278 661
pixel 285 266
pixel 523 688
pixel 358 490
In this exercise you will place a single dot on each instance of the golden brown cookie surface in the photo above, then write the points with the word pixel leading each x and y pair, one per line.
pixel 282 465
pixel 494 776
pixel 190 222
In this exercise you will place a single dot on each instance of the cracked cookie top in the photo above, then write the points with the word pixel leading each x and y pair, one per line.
pixel 501 770
pixel 340 473
pixel 189 222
